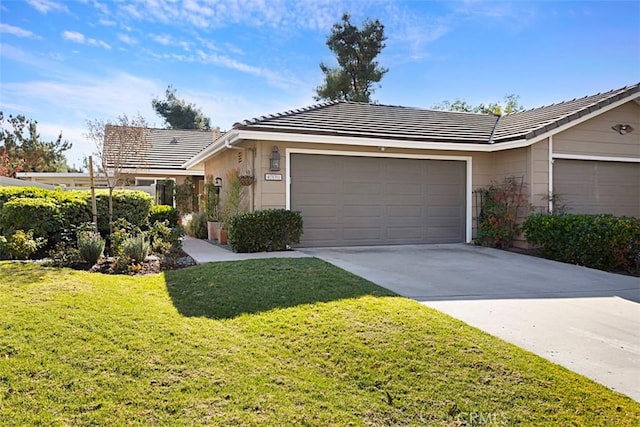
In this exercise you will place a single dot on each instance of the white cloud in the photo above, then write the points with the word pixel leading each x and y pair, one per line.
pixel 16 31
pixel 73 36
pixel 79 38
pixel 107 22
pixel 163 39
pixel 124 38
pixel 44 6
pixel 275 79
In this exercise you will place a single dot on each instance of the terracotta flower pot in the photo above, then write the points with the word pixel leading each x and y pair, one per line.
pixel 212 230
pixel 222 236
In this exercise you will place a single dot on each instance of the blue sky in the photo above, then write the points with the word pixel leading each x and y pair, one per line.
pixel 63 62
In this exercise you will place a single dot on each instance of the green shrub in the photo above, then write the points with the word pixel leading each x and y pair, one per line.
pixel 90 246
pixel 20 245
pixel 122 230
pixel 160 213
pixel 164 238
pixel 267 230
pixel 196 225
pixel 136 248
pixel 134 206
pixel 601 241
pixel 40 215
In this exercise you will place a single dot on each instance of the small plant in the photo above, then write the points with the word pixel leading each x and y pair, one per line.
pixel 164 238
pixel 21 245
pixel 234 200
pixel 122 230
pixel 90 246
pixel 136 248
pixel 500 207
pixel 64 254
pixel 196 225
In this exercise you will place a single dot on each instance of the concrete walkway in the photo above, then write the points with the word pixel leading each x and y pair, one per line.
pixel 585 320
pixel 203 251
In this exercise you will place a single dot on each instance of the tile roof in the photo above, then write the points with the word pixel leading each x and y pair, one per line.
pixel 344 118
pixel 169 148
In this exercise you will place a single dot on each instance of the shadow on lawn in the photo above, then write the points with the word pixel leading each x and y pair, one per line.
pixel 20 272
pixel 225 290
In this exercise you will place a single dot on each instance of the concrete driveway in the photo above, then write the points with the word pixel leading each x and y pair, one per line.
pixel 586 320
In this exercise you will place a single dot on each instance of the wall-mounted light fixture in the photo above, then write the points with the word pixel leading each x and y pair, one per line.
pixel 274 159
pixel 622 129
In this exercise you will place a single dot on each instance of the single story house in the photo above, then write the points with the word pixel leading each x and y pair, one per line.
pixel 168 150
pixel 369 174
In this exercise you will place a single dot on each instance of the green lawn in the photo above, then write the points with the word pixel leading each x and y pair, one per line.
pixel 275 342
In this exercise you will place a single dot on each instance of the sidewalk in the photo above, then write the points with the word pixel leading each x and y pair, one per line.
pixel 202 251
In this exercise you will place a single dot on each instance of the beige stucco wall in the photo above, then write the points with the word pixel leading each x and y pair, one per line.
pixel 596 138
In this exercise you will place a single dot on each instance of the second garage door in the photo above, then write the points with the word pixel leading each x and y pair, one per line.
pixel 350 201
pixel 598 187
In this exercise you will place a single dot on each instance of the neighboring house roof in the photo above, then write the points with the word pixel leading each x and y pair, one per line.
pixel 344 118
pixel 168 149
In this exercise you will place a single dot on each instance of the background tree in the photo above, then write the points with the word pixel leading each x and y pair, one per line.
pixel 22 150
pixel 355 50
pixel 510 104
pixel 121 144
pixel 178 114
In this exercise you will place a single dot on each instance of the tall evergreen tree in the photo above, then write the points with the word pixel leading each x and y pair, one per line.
pixel 357 73
pixel 179 114
pixel 21 148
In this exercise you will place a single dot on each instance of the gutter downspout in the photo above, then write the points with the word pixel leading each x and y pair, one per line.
pixel 228 145
pixel 495 126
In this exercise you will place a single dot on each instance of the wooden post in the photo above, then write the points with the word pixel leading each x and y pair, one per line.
pixel 94 207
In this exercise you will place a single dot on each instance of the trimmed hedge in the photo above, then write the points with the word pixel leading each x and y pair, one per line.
pixel 267 230
pixel 160 213
pixel 601 241
pixel 134 206
pixel 41 215
pixel 50 212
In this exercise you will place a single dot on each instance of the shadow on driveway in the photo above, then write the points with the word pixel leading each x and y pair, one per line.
pixel 223 290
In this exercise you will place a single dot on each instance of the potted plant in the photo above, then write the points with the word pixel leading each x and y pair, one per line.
pixel 211 208
pixel 246 179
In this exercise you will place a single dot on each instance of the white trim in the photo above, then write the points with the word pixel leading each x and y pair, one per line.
pixel 164 172
pixel 467 159
pixel 596 158
pixel 550 185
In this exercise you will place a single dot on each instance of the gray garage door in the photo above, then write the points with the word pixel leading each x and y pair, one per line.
pixel 349 201
pixel 598 187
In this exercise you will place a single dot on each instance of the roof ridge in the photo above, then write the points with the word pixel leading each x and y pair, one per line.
pixel 312 107
pixel 611 93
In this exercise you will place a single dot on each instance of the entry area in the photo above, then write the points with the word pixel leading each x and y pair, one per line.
pixel 358 200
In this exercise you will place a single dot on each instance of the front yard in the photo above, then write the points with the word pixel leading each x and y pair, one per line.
pixel 275 342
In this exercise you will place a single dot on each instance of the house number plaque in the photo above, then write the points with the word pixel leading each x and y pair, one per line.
pixel 273 177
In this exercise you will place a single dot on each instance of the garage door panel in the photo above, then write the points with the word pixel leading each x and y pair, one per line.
pixel 379 200
pixel 588 186
pixel 404 211
pixel 362 211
